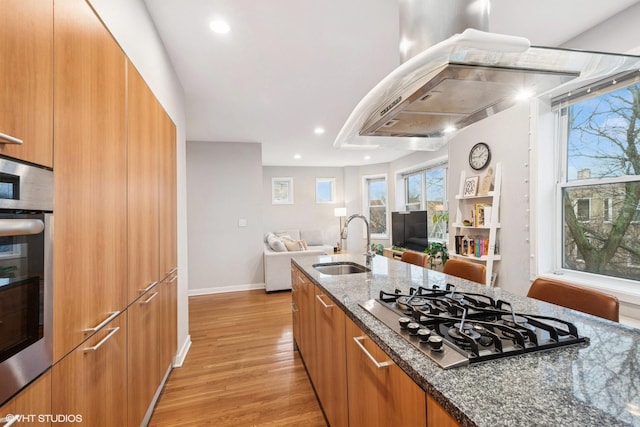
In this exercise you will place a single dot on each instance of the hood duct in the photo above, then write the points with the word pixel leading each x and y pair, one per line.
pixel 467 77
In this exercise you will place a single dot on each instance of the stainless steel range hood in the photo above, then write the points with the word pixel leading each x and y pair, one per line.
pixel 466 78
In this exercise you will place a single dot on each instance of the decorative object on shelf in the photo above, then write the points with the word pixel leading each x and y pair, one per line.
pixel 340 213
pixel 471 186
pixel 483 214
pixel 438 255
pixel 282 191
pixel 479 156
pixel 486 183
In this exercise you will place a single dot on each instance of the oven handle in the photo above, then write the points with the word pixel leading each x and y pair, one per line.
pixel 379 365
pixel 20 227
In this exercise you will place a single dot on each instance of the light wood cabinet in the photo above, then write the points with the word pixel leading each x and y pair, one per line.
pixel 143 355
pixel 90 189
pixel 33 401
pixel 437 416
pixel 307 341
pixel 380 393
pixel 296 302
pixel 143 174
pixel 26 82
pixel 91 380
pixel 168 321
pixel 331 362
pixel 168 196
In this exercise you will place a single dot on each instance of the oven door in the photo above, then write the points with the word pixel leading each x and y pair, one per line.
pixel 25 299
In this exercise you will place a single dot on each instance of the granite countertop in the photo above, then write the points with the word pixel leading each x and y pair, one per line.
pixel 595 384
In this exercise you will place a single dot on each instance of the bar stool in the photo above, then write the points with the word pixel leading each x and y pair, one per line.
pixel 466 270
pixel 415 258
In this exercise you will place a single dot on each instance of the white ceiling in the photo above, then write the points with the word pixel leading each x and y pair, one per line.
pixel 288 66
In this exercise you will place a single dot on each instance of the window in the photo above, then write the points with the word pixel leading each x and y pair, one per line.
pixel 325 190
pixel 600 183
pixel 426 189
pixel 376 205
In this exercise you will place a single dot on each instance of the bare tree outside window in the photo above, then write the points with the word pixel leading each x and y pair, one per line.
pixel 603 143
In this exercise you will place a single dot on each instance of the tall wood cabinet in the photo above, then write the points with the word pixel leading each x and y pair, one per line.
pixel 26 82
pixel 90 188
pixel 168 194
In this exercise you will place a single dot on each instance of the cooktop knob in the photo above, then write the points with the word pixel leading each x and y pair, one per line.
pixel 424 335
pixel 435 342
pixel 404 321
pixel 413 327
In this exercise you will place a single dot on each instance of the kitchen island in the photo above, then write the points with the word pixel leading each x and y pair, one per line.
pixel 589 384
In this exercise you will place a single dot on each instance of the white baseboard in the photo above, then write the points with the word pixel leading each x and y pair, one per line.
pixel 182 353
pixel 225 289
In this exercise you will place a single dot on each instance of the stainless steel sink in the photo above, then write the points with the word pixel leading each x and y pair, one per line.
pixel 336 268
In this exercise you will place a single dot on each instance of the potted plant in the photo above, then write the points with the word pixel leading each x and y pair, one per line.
pixel 438 255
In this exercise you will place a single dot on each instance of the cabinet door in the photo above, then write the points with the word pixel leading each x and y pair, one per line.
pixel 307 342
pixel 168 194
pixel 90 188
pixel 26 82
pixel 437 416
pixel 168 321
pixel 142 184
pixel 331 361
pixel 32 402
pixel 379 392
pixel 143 339
pixel 296 295
pixel 91 381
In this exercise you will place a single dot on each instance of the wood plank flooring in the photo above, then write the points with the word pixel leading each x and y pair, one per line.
pixel 241 369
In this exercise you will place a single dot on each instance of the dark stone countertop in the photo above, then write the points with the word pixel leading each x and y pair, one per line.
pixel 585 385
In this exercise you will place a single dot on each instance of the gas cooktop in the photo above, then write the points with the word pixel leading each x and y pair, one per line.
pixel 458 328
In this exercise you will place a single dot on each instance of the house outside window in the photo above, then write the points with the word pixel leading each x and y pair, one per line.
pixel 599 186
pixel 376 205
pixel 426 189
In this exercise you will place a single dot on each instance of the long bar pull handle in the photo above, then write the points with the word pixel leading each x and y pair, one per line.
pixel 8 423
pixel 112 316
pixel 102 341
pixel 148 300
pixel 379 365
pixel 20 227
pixel 8 139
pixel 319 298
pixel 151 285
pixel 173 279
pixel 172 271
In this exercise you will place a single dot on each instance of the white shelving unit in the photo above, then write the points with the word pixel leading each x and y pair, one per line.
pixel 466 204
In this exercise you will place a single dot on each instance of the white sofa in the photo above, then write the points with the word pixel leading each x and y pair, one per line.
pixel 277 264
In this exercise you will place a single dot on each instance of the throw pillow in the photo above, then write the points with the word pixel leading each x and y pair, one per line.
pixel 276 244
pixel 293 245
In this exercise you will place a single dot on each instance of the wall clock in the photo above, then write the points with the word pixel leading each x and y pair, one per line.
pixel 479 156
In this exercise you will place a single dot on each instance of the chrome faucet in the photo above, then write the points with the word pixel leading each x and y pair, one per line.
pixel 343 234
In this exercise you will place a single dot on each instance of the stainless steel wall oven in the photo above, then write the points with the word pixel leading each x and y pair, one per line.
pixel 26 231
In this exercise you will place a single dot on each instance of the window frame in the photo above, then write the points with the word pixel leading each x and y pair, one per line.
pixel 332 183
pixel 366 205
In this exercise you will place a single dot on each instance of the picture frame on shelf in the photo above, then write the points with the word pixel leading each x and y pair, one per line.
pixel 471 186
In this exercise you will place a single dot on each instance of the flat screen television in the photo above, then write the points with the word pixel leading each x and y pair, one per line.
pixel 409 230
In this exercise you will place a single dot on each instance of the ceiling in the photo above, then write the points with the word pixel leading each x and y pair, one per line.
pixel 289 66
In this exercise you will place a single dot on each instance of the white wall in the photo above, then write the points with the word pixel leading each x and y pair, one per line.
pixel 305 213
pixel 224 186
pixel 132 27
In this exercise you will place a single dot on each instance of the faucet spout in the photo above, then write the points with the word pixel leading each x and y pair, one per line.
pixel 368 253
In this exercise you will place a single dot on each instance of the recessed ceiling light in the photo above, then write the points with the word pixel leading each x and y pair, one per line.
pixel 297 156
pixel 319 130
pixel 219 26
pixel 523 95
pixel 449 129
pixel 367 157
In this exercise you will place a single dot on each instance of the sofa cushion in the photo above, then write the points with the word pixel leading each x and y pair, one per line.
pixel 276 243
pixel 313 237
pixel 292 234
pixel 293 245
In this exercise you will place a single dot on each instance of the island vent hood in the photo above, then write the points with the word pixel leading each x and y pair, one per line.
pixel 465 78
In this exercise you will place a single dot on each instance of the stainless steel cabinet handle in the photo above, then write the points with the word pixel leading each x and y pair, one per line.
pixel 8 139
pixel 10 422
pixel 148 300
pixel 172 271
pixel 319 298
pixel 112 316
pixel 102 341
pixel 151 285
pixel 379 365
pixel 173 279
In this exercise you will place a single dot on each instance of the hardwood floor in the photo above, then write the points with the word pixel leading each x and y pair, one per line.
pixel 241 369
